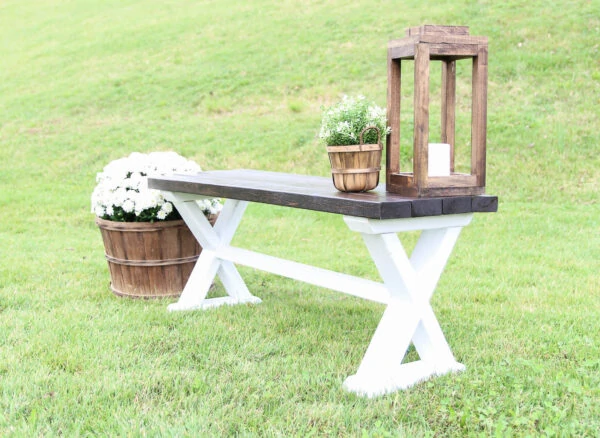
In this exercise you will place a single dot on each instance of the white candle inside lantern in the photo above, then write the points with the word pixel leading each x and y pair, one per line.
pixel 439 159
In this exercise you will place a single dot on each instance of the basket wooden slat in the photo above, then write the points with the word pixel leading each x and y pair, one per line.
pixel 149 260
pixel 355 168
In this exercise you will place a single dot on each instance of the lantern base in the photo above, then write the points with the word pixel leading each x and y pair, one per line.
pixel 457 184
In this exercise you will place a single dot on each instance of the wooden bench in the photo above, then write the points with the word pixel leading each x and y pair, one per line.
pixel 408 282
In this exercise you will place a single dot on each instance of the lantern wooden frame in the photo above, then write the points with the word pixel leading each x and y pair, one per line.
pixel 446 44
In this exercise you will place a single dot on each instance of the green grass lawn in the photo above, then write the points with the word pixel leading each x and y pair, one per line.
pixel 241 85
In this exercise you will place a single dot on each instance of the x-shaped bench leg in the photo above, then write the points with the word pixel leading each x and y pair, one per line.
pixel 408 316
pixel 208 264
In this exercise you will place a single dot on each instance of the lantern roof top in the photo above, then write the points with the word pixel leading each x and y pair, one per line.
pixel 452 42
pixel 435 29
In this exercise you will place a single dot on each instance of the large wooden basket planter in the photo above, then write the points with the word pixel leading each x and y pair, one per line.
pixel 149 260
pixel 355 168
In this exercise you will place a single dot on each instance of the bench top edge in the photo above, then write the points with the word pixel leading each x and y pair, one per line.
pixel 316 193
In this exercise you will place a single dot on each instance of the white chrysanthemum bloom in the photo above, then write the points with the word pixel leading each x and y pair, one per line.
pixel 167 207
pixel 139 201
pixel 151 198
pixel 204 204
pixel 98 210
pixel 215 207
pixel 161 215
pixel 122 186
pixel 118 196
pixel 128 206
pixel 136 180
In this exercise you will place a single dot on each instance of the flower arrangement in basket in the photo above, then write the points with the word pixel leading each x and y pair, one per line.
pixel 122 192
pixel 352 131
pixel 150 250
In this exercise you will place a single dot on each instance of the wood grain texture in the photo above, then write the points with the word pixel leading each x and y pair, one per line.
pixel 306 192
pixel 479 115
pixel 437 29
pixel 393 115
pixel 448 122
pixel 355 168
pixel 149 260
pixel 421 116
pixel 427 207
pixel 447 44
pixel 484 204
pixel 456 204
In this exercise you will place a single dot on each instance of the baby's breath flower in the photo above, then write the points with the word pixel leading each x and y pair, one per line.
pixel 342 123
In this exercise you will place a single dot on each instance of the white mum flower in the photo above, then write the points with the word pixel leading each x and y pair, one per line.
pixel 136 180
pixel 167 207
pixel 128 206
pixel 215 206
pixel 123 183
pixel 119 196
pixel 161 215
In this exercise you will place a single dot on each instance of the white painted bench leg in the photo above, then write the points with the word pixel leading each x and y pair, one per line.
pixel 429 259
pixel 408 285
pixel 408 316
pixel 208 264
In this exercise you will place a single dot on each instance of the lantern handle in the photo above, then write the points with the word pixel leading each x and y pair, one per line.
pixel 360 138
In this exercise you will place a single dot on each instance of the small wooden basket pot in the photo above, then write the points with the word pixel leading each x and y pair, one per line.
pixel 355 168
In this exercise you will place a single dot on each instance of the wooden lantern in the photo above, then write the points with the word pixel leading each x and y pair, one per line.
pixel 422 45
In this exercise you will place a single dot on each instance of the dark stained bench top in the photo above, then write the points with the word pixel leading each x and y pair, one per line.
pixel 317 193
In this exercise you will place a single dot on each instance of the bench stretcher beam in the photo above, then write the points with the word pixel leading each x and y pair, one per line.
pixel 407 287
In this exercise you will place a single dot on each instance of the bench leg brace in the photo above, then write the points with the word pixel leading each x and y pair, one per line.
pixel 408 284
pixel 208 265
pixel 408 315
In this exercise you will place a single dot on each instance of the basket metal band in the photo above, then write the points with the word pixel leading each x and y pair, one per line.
pixel 178 261
pixel 365 170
